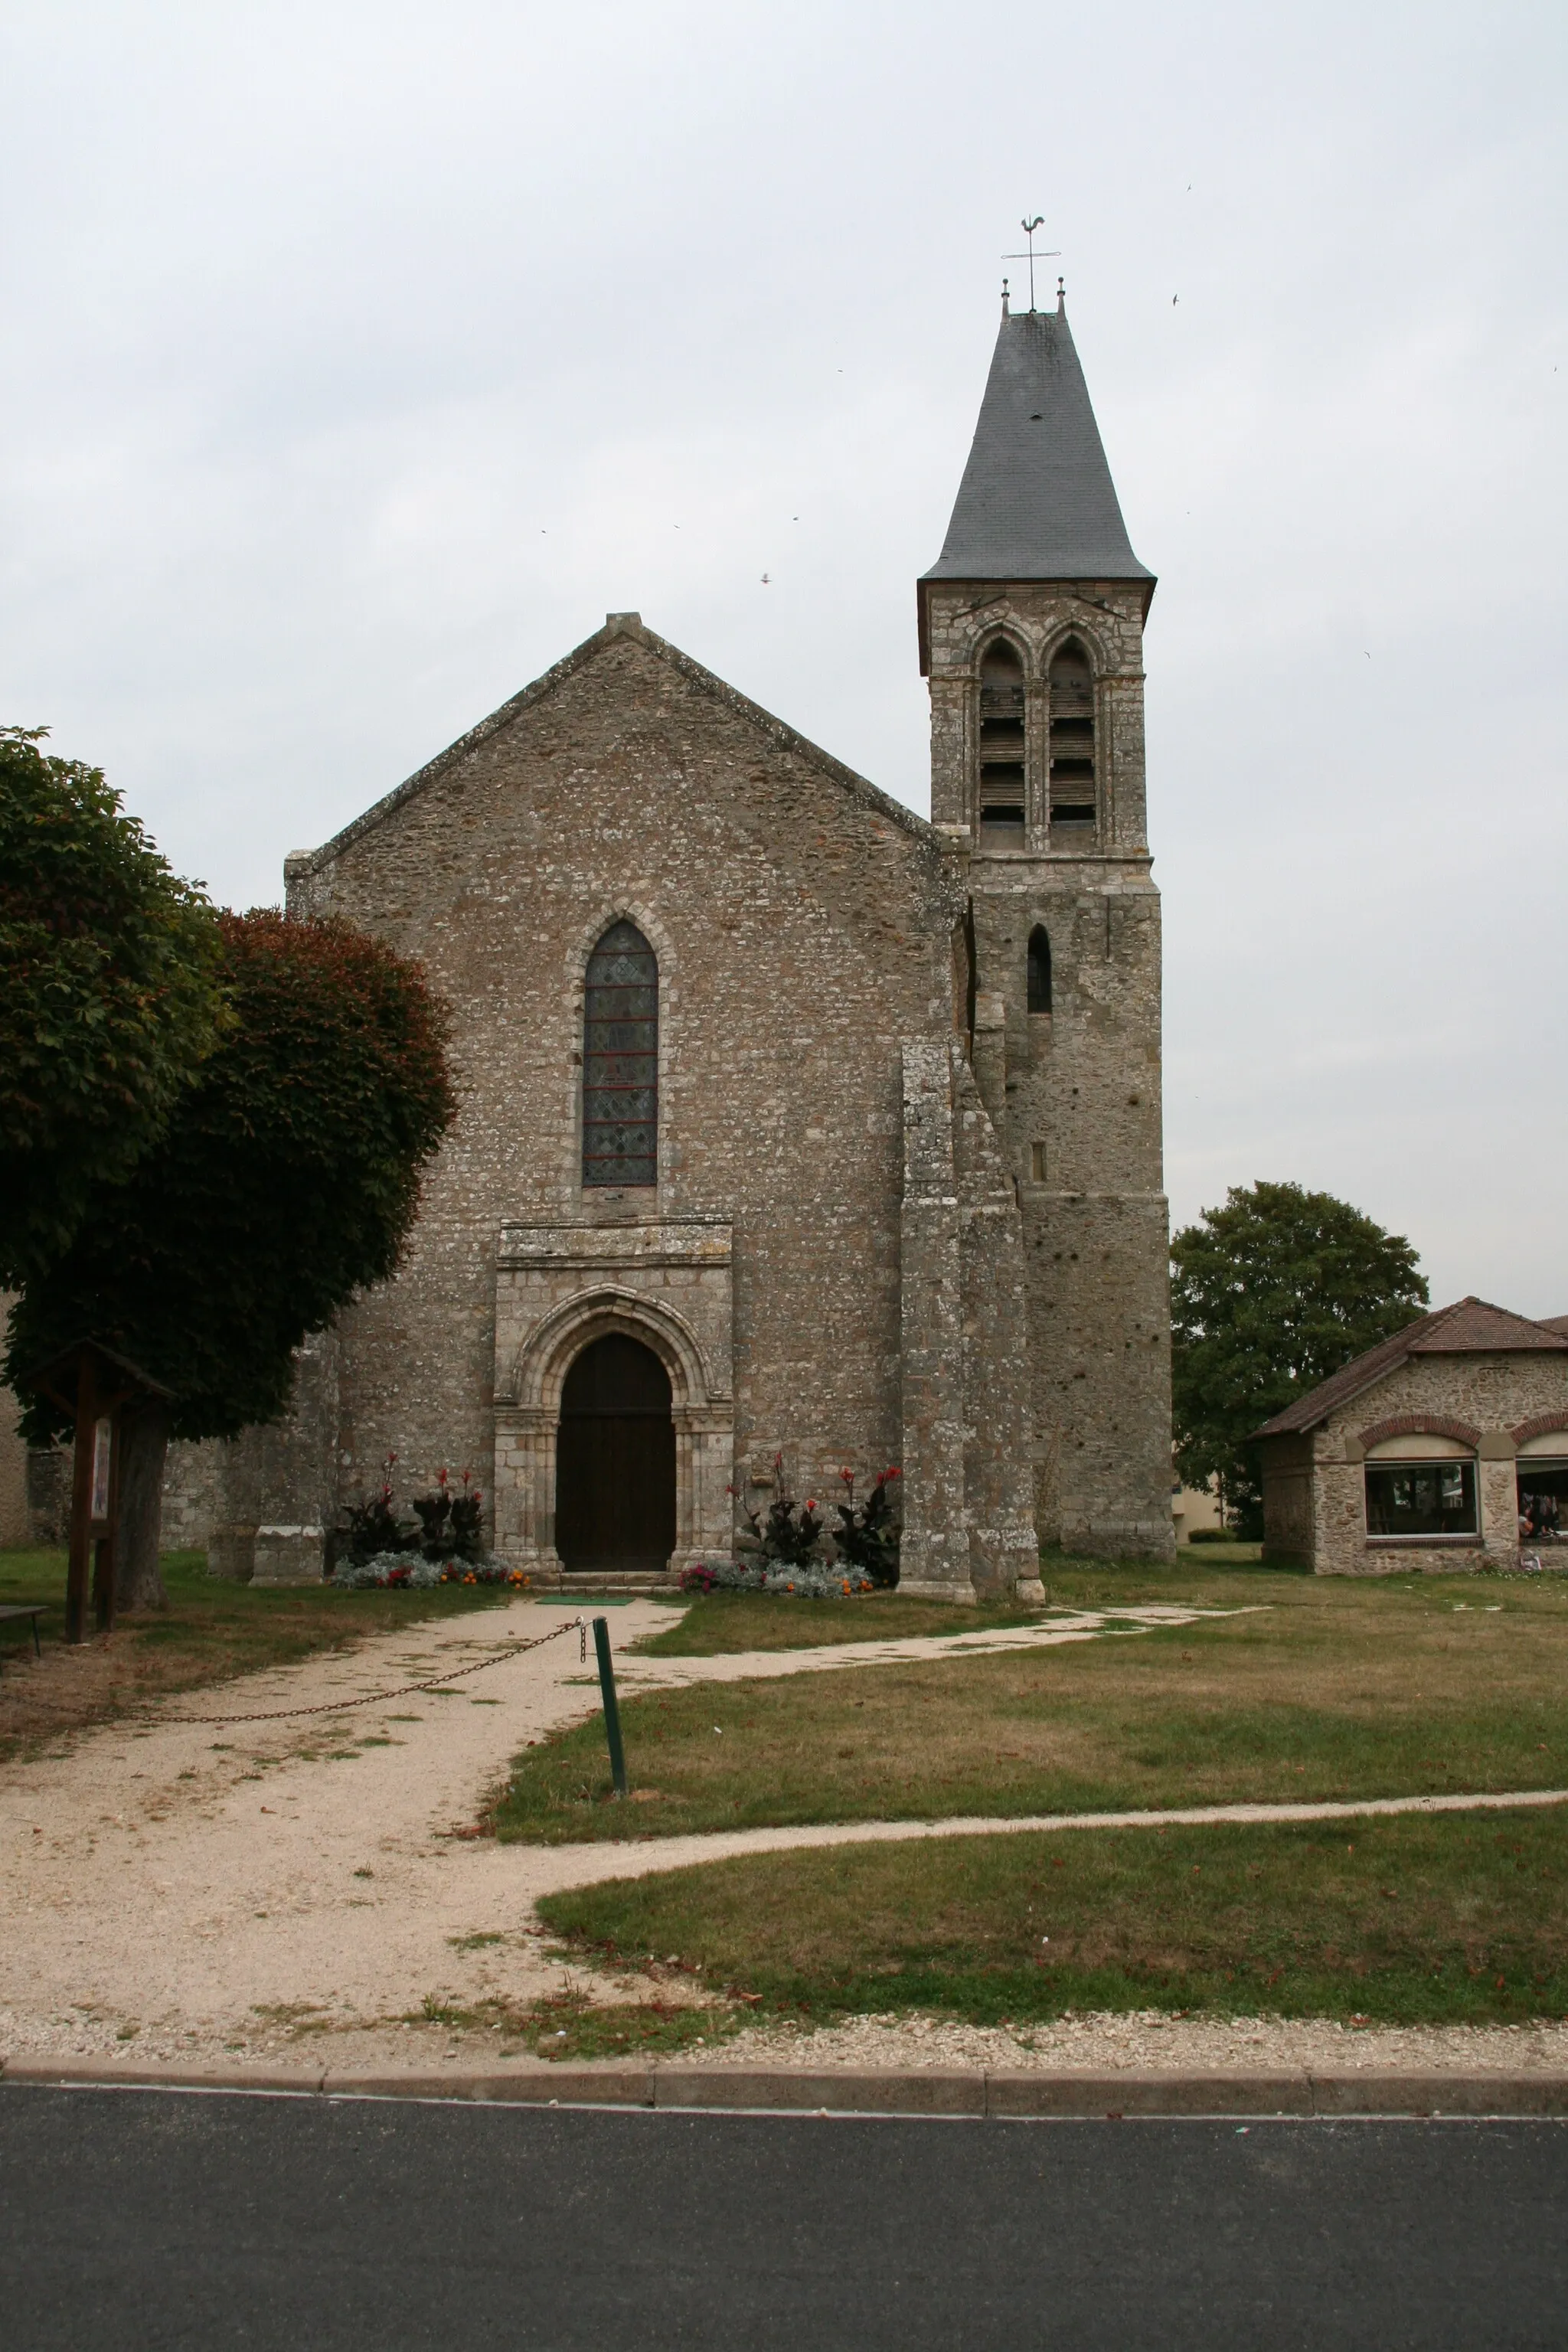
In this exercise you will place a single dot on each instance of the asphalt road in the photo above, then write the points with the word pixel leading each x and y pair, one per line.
pixel 142 2218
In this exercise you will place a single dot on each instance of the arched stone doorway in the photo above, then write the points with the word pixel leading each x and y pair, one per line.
pixel 559 1289
pixel 615 1459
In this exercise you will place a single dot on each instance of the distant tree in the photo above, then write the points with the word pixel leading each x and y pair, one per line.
pixel 287 1180
pixel 109 995
pixel 1268 1296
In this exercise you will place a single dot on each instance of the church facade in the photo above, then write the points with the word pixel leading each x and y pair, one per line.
pixel 796 1134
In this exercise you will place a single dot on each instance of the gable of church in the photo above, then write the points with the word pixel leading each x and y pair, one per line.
pixel 625 736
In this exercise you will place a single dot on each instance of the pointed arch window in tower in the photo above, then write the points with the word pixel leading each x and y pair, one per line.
pixel 1002 796
pixel 1039 971
pixel 620 1061
pixel 1073 764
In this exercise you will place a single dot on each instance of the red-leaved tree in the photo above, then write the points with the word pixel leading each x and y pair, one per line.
pixel 286 1180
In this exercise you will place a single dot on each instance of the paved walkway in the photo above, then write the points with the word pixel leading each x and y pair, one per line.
pixel 550 1869
pixel 1051 1629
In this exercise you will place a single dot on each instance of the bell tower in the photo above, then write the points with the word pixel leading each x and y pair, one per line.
pixel 1031 634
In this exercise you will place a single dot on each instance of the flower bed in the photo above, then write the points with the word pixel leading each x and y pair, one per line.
pixel 391 1572
pixel 795 1553
pixel 815 1580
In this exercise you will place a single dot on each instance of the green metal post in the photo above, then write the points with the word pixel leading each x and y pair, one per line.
pixel 612 1712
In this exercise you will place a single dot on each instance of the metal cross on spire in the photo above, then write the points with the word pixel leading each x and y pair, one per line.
pixel 1051 254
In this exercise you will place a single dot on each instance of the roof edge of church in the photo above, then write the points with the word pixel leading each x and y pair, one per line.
pixel 303 862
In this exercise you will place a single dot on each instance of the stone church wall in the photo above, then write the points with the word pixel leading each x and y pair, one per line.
pixel 802 923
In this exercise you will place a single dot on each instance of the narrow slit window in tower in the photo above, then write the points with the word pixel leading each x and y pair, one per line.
pixel 620 1061
pixel 1039 970
pixel 1072 738
pixel 1002 796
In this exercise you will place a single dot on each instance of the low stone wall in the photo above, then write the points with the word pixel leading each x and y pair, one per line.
pixel 290 1554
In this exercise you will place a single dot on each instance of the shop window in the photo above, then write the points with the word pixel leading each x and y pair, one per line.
pixel 1004 792
pixel 1073 770
pixel 620 1061
pixel 1421 1498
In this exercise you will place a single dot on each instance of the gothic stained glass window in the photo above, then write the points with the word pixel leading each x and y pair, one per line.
pixel 620 1061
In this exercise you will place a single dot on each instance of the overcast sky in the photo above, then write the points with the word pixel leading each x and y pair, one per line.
pixel 359 357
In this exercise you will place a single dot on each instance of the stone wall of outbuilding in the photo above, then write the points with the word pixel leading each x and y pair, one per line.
pixel 1314 1495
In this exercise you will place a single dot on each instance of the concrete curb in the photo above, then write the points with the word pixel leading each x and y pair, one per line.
pixel 921 2091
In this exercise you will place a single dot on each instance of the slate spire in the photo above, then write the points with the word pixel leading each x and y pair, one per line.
pixel 1036 501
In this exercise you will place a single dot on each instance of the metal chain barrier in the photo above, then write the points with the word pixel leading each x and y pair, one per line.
pixel 367 1698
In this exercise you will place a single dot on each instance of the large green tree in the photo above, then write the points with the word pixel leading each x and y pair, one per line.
pixel 286 1180
pixel 1268 1296
pixel 109 998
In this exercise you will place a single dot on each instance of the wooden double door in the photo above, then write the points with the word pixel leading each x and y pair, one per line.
pixel 614 1474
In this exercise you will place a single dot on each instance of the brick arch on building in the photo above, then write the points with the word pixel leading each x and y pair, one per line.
pixel 1419 1424
pixel 1544 1424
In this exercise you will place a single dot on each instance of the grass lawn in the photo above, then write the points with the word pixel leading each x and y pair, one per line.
pixel 1333 1688
pixel 569 2025
pixel 211 1631
pixel 1411 1921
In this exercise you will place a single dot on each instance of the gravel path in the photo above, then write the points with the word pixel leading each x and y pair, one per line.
pixel 185 1890
pixel 1047 1631
pixel 1149 2041
pixel 201 1888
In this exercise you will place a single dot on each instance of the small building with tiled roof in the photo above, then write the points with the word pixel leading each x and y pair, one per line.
pixel 1442 1448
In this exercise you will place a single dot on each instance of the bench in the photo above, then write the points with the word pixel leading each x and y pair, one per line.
pixel 26 1609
